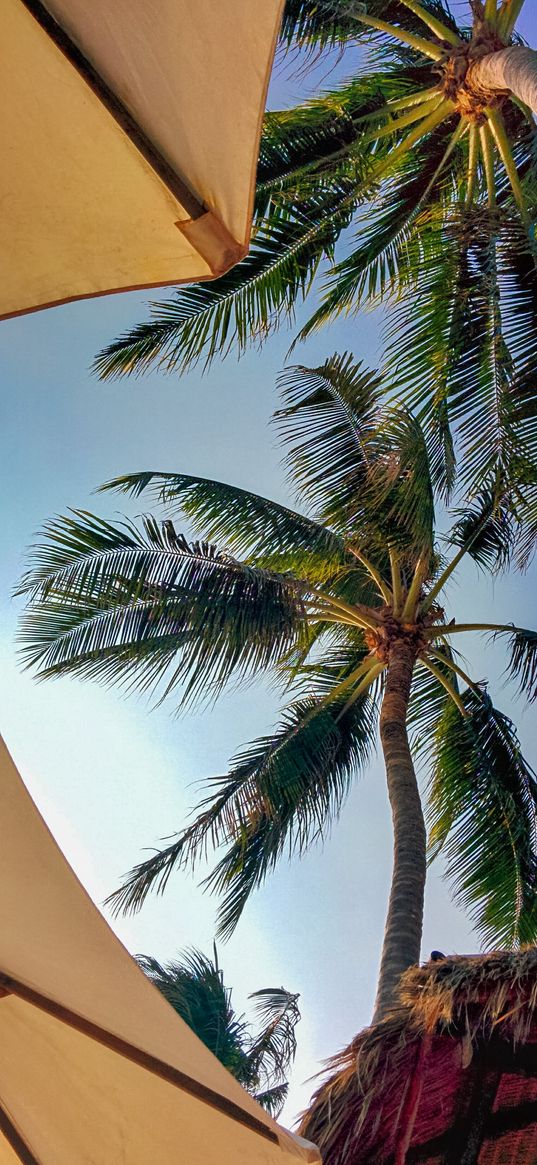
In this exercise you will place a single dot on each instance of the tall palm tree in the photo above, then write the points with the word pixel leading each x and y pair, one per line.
pixel 259 1060
pixel 342 602
pixel 422 166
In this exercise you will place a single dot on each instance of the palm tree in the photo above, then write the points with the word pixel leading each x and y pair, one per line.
pixel 194 986
pixel 342 602
pixel 422 167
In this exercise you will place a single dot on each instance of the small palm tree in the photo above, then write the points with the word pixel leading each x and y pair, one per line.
pixel 428 154
pixel 260 1061
pixel 342 602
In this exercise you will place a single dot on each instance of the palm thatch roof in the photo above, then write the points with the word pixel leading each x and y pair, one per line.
pixel 448 1078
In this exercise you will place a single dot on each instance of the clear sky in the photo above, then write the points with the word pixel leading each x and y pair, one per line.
pixel 111 776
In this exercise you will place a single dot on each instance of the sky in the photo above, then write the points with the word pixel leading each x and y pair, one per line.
pixel 113 776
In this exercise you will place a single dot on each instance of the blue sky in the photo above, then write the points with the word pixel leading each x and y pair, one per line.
pixel 110 775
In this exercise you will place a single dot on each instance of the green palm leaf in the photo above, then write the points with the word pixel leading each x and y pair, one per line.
pixel 322 23
pixel 482 813
pixel 329 416
pixel 428 703
pixel 311 148
pixel 399 492
pixel 394 233
pixel 487 530
pixel 273 1099
pixel 249 525
pixel 523 661
pixel 142 605
pixel 193 985
pixel 308 22
pixel 300 803
pixel 274 1048
pixel 363 470
pixel 466 328
pixel 282 791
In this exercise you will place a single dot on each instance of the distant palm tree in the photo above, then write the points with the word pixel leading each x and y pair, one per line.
pixel 342 603
pixel 423 166
pixel 260 1060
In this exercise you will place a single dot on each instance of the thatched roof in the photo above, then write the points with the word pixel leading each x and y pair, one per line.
pixel 449 1078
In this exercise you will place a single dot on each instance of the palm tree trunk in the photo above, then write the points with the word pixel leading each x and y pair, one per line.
pixel 402 935
pixel 514 68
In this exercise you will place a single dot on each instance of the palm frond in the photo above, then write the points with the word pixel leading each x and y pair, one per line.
pixel 273 1099
pixel 311 147
pixel 310 23
pixel 248 525
pixel 329 415
pixel 399 496
pixel 486 529
pixel 193 985
pixel 282 791
pixel 428 702
pixel 393 234
pixel 273 1049
pixel 141 604
pixel 466 328
pixel 318 24
pixel 482 815
pixel 207 319
pixel 523 661
pixel 526 538
pixel 303 799
pixel 361 469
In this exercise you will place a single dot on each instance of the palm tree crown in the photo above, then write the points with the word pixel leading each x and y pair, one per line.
pixel 259 1060
pixel 428 155
pixel 342 602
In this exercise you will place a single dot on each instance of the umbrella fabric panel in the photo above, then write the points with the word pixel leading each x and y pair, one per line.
pixel 195 78
pixel 82 211
pixel 129 140
pixel 72 1100
pixel 53 938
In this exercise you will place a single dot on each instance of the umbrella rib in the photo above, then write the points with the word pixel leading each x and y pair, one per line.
pixel 14 1139
pixel 136 1056
pixel 168 175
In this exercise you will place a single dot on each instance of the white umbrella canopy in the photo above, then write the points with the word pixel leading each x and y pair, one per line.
pixel 95 1066
pixel 129 142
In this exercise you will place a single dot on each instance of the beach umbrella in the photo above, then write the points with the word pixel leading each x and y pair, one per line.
pixel 96 1068
pixel 129 142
